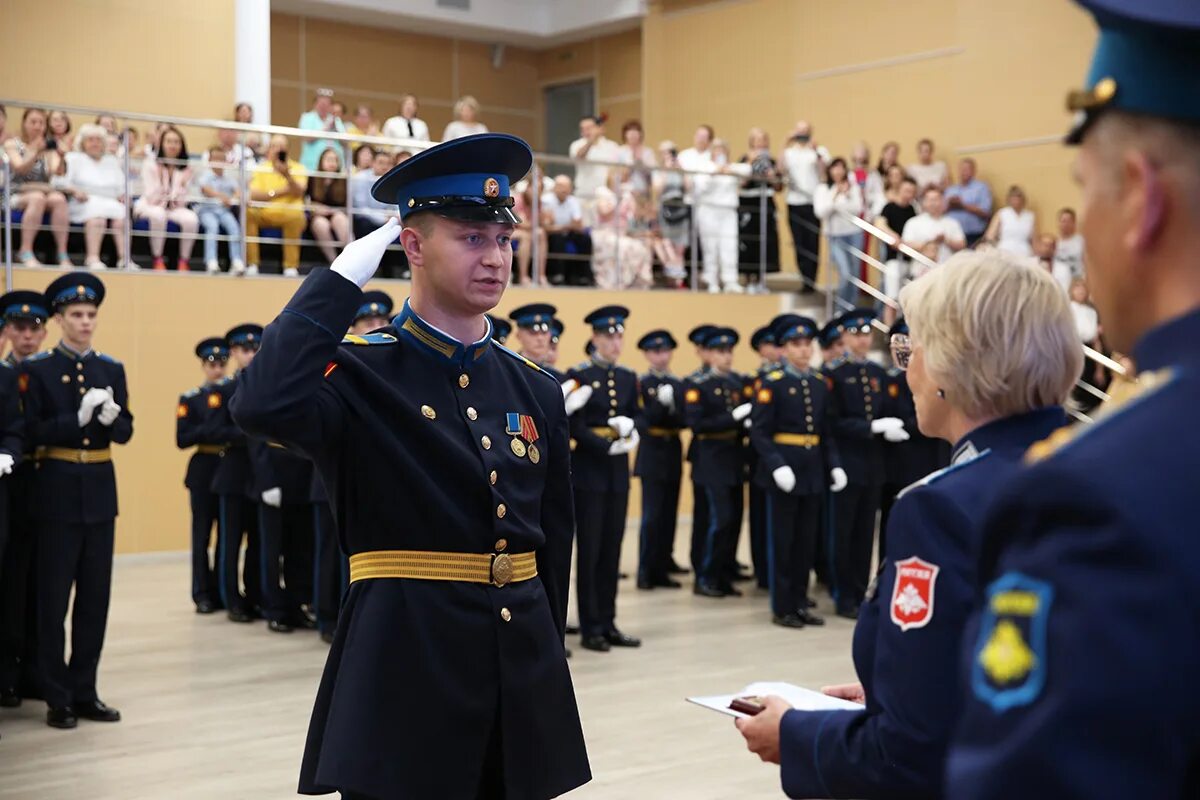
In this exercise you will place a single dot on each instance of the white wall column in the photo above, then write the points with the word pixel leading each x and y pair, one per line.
pixel 252 57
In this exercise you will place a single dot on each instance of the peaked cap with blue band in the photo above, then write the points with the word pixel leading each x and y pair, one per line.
pixel 829 334
pixel 534 315
pixel 764 335
pixel 608 319
pixel 245 335
pixel 24 304
pixel 721 338
pixel 75 287
pixel 795 327
pixel 213 349
pixel 556 329
pixel 375 304
pixel 657 340
pixel 855 320
pixel 699 334
pixel 500 329
pixel 1146 62
pixel 899 328
pixel 467 179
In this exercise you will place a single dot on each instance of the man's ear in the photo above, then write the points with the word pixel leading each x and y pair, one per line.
pixel 412 240
pixel 1145 201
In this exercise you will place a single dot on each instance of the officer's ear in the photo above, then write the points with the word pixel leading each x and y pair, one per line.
pixel 412 239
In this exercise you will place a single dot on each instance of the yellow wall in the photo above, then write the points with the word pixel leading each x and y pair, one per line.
pixel 145 324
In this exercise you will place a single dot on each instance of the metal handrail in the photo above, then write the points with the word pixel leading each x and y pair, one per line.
pixel 8 276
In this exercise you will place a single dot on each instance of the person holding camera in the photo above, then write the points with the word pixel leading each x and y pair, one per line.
pixel 277 201
pixel 35 157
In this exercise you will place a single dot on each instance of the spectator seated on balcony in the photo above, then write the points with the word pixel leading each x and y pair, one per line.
pixel 619 260
pixel 166 184
pixel 364 123
pixel 277 201
pixel 35 160
pixel 327 221
pixel 465 122
pixel 570 245
pixel 220 192
pixel 95 184
pixel 933 227
pixel 370 213
pixel 406 124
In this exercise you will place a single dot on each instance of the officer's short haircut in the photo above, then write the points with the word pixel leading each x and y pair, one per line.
pixel 1172 142
pixel 997 333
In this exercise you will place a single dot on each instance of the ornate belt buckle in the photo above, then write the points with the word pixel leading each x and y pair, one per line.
pixel 502 569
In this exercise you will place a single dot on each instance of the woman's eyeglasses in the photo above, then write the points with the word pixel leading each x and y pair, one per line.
pixel 902 348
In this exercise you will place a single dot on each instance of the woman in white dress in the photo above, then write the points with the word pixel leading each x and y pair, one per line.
pixel 465 123
pixel 95 186
pixel 1013 228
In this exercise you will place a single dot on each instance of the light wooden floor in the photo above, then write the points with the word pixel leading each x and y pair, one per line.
pixel 217 710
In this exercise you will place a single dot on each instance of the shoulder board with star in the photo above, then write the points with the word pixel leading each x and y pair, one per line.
pixel 108 358
pixel 5 363
pixel 368 339
pixel 832 365
pixel 517 356
pixel 775 375
pixel 191 392
pixel 42 356
pixel 582 365
pixel 934 477
pixel 894 372
pixel 699 377
pixel 225 381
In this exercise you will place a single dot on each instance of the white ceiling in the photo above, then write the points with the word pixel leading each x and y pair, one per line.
pixel 525 23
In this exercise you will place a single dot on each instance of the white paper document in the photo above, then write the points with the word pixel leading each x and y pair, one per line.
pixel 796 696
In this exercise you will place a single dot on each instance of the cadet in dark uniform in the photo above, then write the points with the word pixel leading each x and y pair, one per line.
pixel 283 480
pixel 501 329
pixel 605 432
pixel 763 342
pixel 863 418
pixel 798 461
pixel 375 312
pixel 829 338
pixel 556 331
pixel 533 332
pixel 76 406
pixel 447 462
pixel 1084 655
pixel 12 447
pixel 24 314
pixel 659 461
pixel 697 336
pixel 238 501
pixel 197 418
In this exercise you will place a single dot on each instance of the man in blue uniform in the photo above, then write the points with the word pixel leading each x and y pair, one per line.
pixel 1083 655
pixel 283 480
pixel 605 432
pixel 501 329
pixel 447 462
pixel 556 331
pixel 764 343
pixel 196 419
pixel 829 339
pixel 375 312
pixel 697 336
pixel 659 461
pixel 533 322
pixel 76 407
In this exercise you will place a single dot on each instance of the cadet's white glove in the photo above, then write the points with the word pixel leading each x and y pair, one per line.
pixel 748 424
pixel 622 446
pixel 107 414
pixel 838 479
pixel 785 479
pixel 622 425
pixel 90 402
pixel 569 386
pixel 273 497
pixel 666 395
pixel 885 424
pixel 896 436
pixel 742 411
pixel 6 464
pixel 359 259
pixel 578 399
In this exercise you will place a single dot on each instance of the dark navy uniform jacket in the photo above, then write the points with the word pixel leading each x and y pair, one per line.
pixel 197 418
pixel 12 419
pixel 909 633
pixel 859 392
pixel 409 430
pixel 908 462
pixel 57 380
pixel 234 475
pixel 614 394
pixel 716 452
pixel 789 401
pixel 275 467
pixel 1081 662
pixel 659 455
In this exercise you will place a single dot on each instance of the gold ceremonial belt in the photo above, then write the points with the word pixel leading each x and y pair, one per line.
pixel 717 437
pixel 76 456
pixel 665 433
pixel 211 449
pixel 497 569
pixel 605 433
pixel 797 439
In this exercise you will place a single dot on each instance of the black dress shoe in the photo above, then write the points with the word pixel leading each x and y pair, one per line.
pixel 62 717
pixel 740 577
pixel 618 639
pixel 675 569
pixel 597 643
pixel 809 617
pixel 10 698
pixel 571 630
pixel 848 613
pixel 667 583
pixel 97 711
pixel 788 621
pixel 278 626
pixel 237 615
pixel 729 591
pixel 205 607
pixel 810 603
pixel 707 590
pixel 644 585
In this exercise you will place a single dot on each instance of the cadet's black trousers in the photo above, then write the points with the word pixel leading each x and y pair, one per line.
pixel 332 569
pixel 699 526
pixel 854 517
pixel 18 599
pixel 205 510
pixel 286 543
pixel 660 510
pixel 238 521
pixel 720 545
pixel 80 555
pixel 599 529
pixel 826 534
pixel 759 550
pixel 792 526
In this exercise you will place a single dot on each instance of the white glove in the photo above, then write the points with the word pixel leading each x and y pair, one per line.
pixel 900 435
pixel 742 411
pixel 785 479
pixel 90 402
pixel 885 424
pixel 569 386
pixel 748 424
pixel 6 464
pixel 622 425
pixel 622 446
pixel 666 395
pixel 578 399
pixel 359 259
pixel 838 479
pixel 273 497
pixel 108 412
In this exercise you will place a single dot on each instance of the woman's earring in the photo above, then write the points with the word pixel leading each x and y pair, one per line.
pixel 941 394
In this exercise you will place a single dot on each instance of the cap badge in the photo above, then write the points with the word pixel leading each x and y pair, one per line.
pixel 491 188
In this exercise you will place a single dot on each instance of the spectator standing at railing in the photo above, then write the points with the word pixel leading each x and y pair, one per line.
pixel 364 123
pixel 465 123
pixel 244 113
pixel 277 201
pixel 338 109
pixel 619 260
pixel 639 159
pixel 892 183
pixel 565 233
pixel 523 232
pixel 1014 227
pixel 889 156
pixel 406 124
pixel 95 183
pixel 215 211
pixel 34 160
pixel 231 151
pixel 592 145
pixel 926 171
pixel 756 196
pixel 60 129
pixel 1068 250
pixel 319 118
pixel 4 133
pixel 870 182
pixel 327 205
pixel 969 202
pixel 716 198
pixel 699 154
pixel 670 189
pixel 891 220
pixel 933 227
pixel 166 187
pixel 836 202
pixel 804 165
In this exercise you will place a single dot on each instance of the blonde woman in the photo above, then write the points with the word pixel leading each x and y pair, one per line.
pixel 465 123
pixel 95 184
pixel 991 355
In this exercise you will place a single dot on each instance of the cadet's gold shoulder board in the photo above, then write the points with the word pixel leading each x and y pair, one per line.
pixel 775 375
pixel 370 338
pixel 524 361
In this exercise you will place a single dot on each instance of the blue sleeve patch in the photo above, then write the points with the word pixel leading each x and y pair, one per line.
pixel 1008 664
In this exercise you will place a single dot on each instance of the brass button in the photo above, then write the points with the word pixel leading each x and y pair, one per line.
pixel 492 478
pixel 86 441
pixel 612 392
pixel 505 615
pixel 428 412
pixel 486 442
pixel 501 510
pixel 501 544
pixel 82 390
pixel 472 414
pixel 77 377
pixel 79 366
pixel 612 382
pixel 464 380
pixel 67 378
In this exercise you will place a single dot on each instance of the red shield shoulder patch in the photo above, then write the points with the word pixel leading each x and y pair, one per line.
pixel 912 595
pixel 893 391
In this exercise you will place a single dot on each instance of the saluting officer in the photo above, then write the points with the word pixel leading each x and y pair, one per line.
pixel 798 460
pixel 605 433
pixel 76 406
pixel 24 314
pixel 717 414
pixel 697 336
pixel 447 462
pixel 197 419
pixel 239 579
pixel 659 461
pixel 533 332
pixel 862 420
